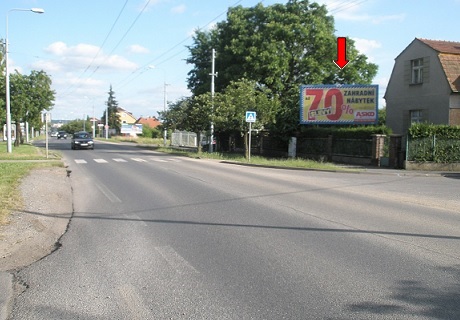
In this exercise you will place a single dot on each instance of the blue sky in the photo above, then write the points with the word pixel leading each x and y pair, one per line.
pixel 138 45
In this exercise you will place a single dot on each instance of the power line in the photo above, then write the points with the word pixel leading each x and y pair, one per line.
pixel 73 87
pixel 143 68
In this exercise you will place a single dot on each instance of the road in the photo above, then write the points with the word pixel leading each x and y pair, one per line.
pixel 155 236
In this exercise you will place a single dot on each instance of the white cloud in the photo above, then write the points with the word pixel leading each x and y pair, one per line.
pixel 136 48
pixel 80 57
pixel 355 11
pixel 366 46
pixel 179 9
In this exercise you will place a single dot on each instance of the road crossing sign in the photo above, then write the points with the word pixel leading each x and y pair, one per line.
pixel 250 116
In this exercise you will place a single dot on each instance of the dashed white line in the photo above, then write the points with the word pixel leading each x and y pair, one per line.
pixel 100 160
pixel 80 161
pixel 119 160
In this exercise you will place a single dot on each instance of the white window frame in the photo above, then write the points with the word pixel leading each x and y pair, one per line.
pixel 416 71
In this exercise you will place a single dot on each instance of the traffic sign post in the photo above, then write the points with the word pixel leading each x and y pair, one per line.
pixel 250 117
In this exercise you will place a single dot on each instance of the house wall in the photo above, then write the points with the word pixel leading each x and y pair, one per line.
pixel 432 96
pixel 454 117
pixel 126 118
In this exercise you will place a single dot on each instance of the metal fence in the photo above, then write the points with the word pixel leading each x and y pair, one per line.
pixel 441 150
pixel 183 139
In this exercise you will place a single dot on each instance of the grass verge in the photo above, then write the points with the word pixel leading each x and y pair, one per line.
pixel 13 167
pixel 258 160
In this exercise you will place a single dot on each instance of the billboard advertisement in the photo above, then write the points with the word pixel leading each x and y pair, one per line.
pixel 132 129
pixel 338 104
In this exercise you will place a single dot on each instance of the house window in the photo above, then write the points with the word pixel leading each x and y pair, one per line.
pixel 417 71
pixel 416 116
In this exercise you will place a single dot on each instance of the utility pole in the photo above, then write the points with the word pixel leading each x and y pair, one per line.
pixel 164 110
pixel 212 74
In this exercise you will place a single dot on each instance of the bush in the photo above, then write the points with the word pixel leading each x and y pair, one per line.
pixel 437 143
pixel 358 132
pixel 149 132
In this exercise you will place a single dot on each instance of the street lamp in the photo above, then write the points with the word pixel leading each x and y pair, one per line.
pixel 7 77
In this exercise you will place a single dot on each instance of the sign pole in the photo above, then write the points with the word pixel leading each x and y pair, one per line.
pixel 249 147
pixel 47 118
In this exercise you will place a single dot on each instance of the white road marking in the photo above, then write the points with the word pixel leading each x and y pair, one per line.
pixel 158 160
pixel 135 219
pixel 119 160
pixel 175 260
pixel 100 160
pixel 109 194
pixel 80 161
pixel 139 159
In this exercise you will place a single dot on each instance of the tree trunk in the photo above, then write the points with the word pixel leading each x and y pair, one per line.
pixel 198 137
pixel 18 134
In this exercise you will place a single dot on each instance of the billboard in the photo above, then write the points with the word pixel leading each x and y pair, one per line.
pixel 132 129
pixel 338 104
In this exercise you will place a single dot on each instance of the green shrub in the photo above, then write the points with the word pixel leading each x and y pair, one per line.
pixel 437 143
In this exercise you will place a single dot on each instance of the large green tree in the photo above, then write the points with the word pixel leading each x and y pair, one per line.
pixel 30 95
pixel 281 47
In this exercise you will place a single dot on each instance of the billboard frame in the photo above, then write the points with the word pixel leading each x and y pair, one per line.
pixel 358 104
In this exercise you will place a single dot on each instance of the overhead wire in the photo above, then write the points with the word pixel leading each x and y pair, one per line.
pixel 136 73
pixel 71 88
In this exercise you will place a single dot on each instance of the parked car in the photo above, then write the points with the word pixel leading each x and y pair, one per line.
pixel 82 140
pixel 61 135
pixel 54 133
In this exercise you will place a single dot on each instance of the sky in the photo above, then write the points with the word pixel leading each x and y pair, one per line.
pixel 138 46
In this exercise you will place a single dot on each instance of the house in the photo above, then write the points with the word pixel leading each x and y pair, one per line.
pixel 151 122
pixel 125 116
pixel 424 85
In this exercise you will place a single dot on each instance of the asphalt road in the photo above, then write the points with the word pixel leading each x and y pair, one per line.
pixel 155 236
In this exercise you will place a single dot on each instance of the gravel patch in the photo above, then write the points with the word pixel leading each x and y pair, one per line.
pixel 34 232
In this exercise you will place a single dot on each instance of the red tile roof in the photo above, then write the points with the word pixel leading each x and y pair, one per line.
pixel 442 46
pixel 451 65
pixel 152 122
pixel 449 56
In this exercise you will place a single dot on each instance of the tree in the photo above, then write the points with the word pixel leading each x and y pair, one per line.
pixel 75 125
pixel 279 47
pixel 112 107
pixel 239 97
pixel 29 96
pixel 190 114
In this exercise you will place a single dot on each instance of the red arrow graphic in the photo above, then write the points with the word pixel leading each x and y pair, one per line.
pixel 341 61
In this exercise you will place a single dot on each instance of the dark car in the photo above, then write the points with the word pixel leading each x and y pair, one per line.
pixel 82 140
pixel 61 135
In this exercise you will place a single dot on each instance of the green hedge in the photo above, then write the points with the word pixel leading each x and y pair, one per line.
pixel 359 132
pixel 424 130
pixel 437 143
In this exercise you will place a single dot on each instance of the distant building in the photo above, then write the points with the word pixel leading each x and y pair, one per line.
pixel 424 85
pixel 151 122
pixel 125 116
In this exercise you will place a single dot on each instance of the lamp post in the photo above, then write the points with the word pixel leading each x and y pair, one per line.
pixel 7 77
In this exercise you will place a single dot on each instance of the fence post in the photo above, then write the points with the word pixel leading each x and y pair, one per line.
pixel 378 142
pixel 395 150
pixel 292 147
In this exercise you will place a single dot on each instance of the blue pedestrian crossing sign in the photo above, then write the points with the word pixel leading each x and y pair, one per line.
pixel 250 116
